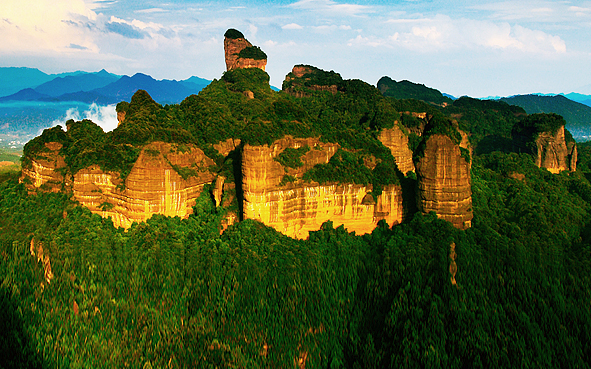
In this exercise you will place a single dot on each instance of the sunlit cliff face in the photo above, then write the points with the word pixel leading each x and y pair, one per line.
pixel 444 184
pixel 297 207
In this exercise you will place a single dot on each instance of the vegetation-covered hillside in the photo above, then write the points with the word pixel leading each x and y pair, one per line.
pixel 512 291
pixel 409 90
pixel 577 115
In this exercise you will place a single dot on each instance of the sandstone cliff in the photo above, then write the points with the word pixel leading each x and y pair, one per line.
pixel 545 138
pixel 444 184
pixel 155 184
pixel 304 77
pixel 297 207
pixel 234 45
pixel 551 151
pixel 45 169
pixel 397 141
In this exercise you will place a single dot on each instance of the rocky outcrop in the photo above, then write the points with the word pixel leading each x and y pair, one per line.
pixel 296 77
pixel 44 170
pixel 234 44
pixel 297 207
pixel 162 181
pixel 552 152
pixel 395 139
pixel 120 117
pixel 573 155
pixel 544 137
pixel 224 147
pixel 444 184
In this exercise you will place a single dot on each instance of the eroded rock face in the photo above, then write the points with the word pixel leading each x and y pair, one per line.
pixel 544 137
pixel 44 170
pixel 233 47
pixel 573 155
pixel 295 208
pixel 152 187
pixel 120 117
pixel 300 71
pixel 444 184
pixel 552 152
pixel 395 139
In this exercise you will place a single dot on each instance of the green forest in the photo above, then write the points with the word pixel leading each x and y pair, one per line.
pixel 178 293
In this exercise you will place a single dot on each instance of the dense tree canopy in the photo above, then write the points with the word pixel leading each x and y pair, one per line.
pixel 180 293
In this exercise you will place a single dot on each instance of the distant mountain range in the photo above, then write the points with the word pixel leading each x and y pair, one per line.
pixel 14 79
pixel 576 114
pixel 101 87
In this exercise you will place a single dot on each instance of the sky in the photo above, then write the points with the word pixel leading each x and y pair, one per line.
pixel 477 48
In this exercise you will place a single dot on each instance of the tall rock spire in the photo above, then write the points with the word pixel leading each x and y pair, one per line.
pixel 240 53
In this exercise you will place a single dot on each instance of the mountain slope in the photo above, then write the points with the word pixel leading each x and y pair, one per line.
pixel 111 89
pixel 409 90
pixel 28 94
pixel 164 91
pixel 577 115
pixel 82 82
pixel 14 79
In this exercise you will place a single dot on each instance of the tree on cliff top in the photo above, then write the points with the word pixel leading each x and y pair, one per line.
pixel 534 124
pixel 233 34
pixel 252 52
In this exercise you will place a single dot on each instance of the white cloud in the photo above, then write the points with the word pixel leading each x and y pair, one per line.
pixel 444 33
pixel 152 10
pixel 292 26
pixel 330 28
pixel 332 8
pixel 103 116
pixel 43 25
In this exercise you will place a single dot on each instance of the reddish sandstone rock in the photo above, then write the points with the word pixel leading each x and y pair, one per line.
pixel 397 141
pixel 234 43
pixel 295 208
pixel 444 184
pixel 300 75
pixel 163 180
pixel 43 172
pixel 545 138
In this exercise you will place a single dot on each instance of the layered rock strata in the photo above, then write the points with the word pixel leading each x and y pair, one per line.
pixel 45 169
pixel 299 71
pixel 297 207
pixel 232 49
pixel 553 153
pixel 154 185
pixel 444 184
pixel 397 141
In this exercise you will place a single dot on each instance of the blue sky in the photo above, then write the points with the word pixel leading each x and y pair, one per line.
pixel 477 48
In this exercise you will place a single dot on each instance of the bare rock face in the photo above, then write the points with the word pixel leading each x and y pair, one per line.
pixel 297 207
pixel 544 137
pixel 573 155
pixel 395 139
pixel 298 72
pixel 224 147
pixel 44 170
pixel 552 152
pixel 234 43
pixel 444 184
pixel 120 117
pixel 154 185
pixel 162 181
